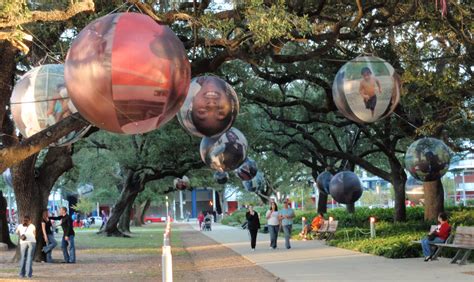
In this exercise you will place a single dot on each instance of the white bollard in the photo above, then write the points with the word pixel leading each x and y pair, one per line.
pixel 372 227
pixel 166 258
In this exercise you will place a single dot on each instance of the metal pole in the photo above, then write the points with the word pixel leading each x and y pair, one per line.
pixel 181 204
pixel 167 208
pixel 213 200
pixel 372 227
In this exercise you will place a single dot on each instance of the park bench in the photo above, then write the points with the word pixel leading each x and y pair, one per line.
pixel 439 246
pixel 327 230
pixel 463 241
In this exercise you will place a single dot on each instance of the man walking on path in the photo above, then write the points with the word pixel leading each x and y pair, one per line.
pixel 286 216
pixel 69 249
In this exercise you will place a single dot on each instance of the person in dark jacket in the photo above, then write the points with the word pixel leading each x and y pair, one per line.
pixel 67 244
pixel 253 225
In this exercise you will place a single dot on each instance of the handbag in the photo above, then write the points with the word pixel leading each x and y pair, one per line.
pixel 431 236
pixel 245 225
pixel 23 236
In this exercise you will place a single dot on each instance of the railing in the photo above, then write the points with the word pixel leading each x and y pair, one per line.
pixel 166 258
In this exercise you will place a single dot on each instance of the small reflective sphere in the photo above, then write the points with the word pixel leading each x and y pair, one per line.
pixel 127 74
pixel 345 187
pixel 182 183
pixel 221 177
pixel 210 108
pixel 247 170
pixel 255 184
pixel 366 89
pixel 322 181
pixel 40 100
pixel 225 153
pixel 427 159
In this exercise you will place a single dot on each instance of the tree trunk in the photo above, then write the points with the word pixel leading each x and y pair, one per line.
pixel 33 186
pixel 131 187
pixel 399 179
pixel 434 199
pixel 322 203
pixel 140 214
pixel 350 208
pixel 124 223
pixel 4 227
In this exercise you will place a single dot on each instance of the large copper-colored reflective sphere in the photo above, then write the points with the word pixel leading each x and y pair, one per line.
pixel 255 184
pixel 427 159
pixel 182 183
pixel 40 100
pixel 247 170
pixel 127 74
pixel 366 89
pixel 221 177
pixel 345 187
pixel 322 181
pixel 225 153
pixel 7 177
pixel 210 108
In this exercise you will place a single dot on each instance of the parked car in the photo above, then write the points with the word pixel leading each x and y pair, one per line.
pixel 155 218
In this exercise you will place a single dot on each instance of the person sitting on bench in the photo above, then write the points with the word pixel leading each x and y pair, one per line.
pixel 314 226
pixel 438 236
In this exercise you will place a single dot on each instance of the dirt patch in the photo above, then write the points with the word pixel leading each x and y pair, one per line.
pixel 210 261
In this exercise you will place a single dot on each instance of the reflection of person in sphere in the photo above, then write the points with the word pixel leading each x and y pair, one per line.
pixel 234 151
pixel 247 171
pixel 368 88
pixel 211 107
pixel 60 106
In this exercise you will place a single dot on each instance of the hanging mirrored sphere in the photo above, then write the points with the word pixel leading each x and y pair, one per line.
pixel 345 187
pixel 221 177
pixel 366 89
pixel 7 177
pixel 182 183
pixel 210 108
pixel 247 170
pixel 322 181
pixel 40 100
pixel 255 184
pixel 127 74
pixel 225 153
pixel 427 159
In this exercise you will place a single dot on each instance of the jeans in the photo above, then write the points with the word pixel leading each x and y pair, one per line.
pixel 27 251
pixel 253 237
pixel 425 244
pixel 287 230
pixel 69 250
pixel 273 229
pixel 48 249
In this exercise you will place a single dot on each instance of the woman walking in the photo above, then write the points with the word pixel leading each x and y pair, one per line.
pixel 273 224
pixel 27 233
pixel 48 235
pixel 253 225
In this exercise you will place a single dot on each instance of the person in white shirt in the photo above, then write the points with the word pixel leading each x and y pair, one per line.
pixel 273 223
pixel 27 234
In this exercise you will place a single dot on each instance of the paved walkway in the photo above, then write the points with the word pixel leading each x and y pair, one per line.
pixel 314 261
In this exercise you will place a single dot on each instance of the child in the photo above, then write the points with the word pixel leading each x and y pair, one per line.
pixel 368 87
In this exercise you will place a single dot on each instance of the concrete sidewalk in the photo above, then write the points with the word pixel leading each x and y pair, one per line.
pixel 314 261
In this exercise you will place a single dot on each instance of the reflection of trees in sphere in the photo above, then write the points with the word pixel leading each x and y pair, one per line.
pixel 210 108
pixel 345 187
pixel 127 74
pixel 247 170
pixel 322 181
pixel 414 190
pixel 427 159
pixel 226 153
pixel 366 89
pixel 221 177
pixel 182 183
pixel 40 100
pixel 255 184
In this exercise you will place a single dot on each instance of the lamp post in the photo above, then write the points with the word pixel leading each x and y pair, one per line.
pixel 167 207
